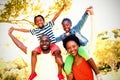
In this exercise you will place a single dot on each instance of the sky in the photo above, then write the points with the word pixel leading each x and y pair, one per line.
pixel 106 12
pixel 106 15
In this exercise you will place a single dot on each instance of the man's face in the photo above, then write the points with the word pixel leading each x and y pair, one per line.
pixel 45 43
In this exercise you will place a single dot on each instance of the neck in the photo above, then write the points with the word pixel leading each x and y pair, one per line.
pixel 46 51
pixel 76 57
pixel 68 33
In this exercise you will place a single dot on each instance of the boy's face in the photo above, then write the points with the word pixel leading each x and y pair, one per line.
pixel 39 22
pixel 66 26
pixel 72 47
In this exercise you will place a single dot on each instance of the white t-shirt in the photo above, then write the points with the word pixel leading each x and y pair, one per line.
pixel 46 67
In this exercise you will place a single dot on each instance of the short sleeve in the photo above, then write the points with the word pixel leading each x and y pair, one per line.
pixel 83 52
pixel 54 48
pixel 68 64
pixel 50 23
pixel 32 31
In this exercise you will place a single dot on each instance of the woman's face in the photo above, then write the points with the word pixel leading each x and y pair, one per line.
pixel 39 22
pixel 66 26
pixel 72 47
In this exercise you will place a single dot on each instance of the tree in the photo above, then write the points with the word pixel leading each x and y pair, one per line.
pixel 107 51
pixel 16 11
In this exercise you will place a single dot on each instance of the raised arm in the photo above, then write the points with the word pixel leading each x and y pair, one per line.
pixel 89 10
pixel 18 43
pixel 21 30
pixel 92 39
pixel 58 13
pixel 82 21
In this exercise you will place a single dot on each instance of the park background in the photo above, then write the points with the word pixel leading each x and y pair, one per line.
pixel 20 13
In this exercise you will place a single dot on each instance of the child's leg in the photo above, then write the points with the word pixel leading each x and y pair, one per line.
pixel 33 61
pixel 82 51
pixel 33 64
pixel 57 53
pixel 70 76
pixel 68 64
pixel 37 49
pixel 59 62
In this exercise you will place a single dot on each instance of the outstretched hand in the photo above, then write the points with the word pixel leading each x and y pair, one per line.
pixel 64 5
pixel 10 30
pixel 90 10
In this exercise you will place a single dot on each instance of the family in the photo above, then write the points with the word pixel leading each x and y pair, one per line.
pixel 78 64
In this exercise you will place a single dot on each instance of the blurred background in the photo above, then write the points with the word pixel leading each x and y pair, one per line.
pixel 14 64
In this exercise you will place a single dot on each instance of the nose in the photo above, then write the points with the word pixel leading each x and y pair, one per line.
pixel 72 49
pixel 39 22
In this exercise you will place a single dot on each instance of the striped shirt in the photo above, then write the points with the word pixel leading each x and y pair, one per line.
pixel 46 30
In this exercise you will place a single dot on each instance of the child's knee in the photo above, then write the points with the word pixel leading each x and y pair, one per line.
pixel 57 53
pixel 59 60
pixel 34 53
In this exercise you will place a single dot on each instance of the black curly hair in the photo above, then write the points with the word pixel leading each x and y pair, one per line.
pixel 38 16
pixel 71 38
pixel 66 19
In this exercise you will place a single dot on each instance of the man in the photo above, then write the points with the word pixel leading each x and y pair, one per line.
pixel 47 66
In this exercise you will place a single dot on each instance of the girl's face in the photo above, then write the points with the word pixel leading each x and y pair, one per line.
pixel 39 22
pixel 66 26
pixel 72 48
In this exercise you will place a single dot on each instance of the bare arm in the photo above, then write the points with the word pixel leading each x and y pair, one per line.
pixel 21 30
pixel 58 13
pixel 16 41
pixel 70 76
pixel 93 65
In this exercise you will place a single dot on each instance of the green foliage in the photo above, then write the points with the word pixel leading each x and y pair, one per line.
pixel 17 11
pixel 14 70
pixel 104 68
pixel 59 3
pixel 107 50
pixel 12 9
pixel 11 77
pixel 116 33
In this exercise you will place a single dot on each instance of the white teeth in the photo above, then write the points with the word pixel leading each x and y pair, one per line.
pixel 73 52
pixel 44 46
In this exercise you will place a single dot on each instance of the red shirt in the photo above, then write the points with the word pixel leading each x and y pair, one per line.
pixel 53 47
pixel 82 71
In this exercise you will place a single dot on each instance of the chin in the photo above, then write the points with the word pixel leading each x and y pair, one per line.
pixel 40 27
pixel 74 54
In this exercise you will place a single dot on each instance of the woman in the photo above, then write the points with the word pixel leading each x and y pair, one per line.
pixel 81 70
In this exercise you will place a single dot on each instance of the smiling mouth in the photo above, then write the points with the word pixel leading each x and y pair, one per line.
pixel 44 46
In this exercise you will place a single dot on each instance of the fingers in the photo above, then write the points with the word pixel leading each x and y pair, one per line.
pixel 10 30
pixel 90 10
pixel 90 7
